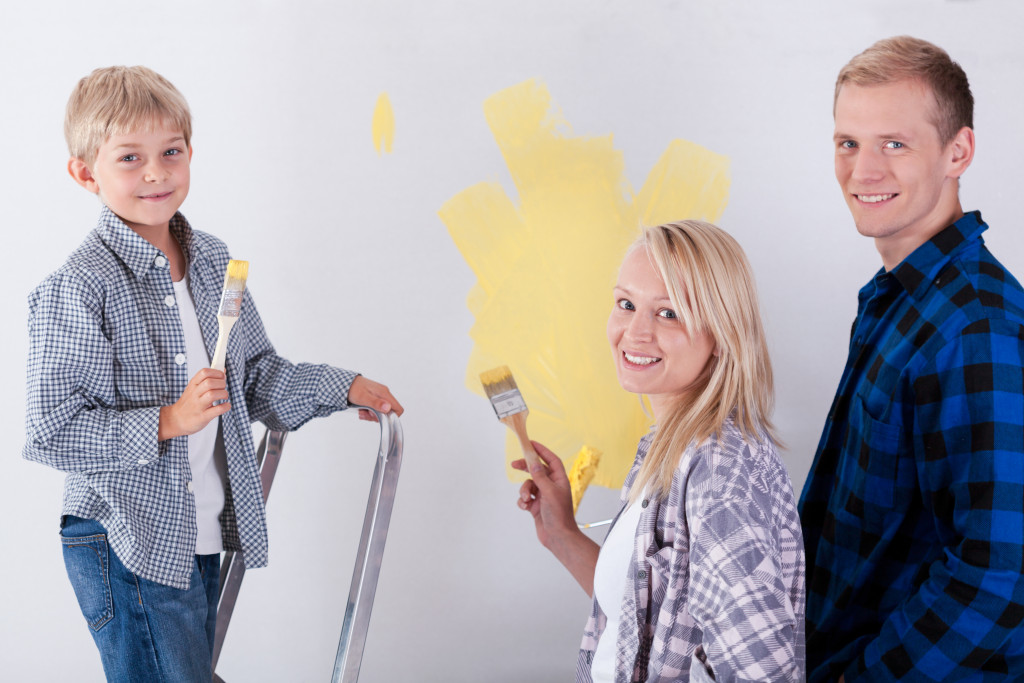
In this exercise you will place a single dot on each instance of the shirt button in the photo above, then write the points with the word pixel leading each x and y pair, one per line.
pixel 170 300
pixel 645 503
pixel 180 359
pixel 189 487
pixel 641 575
pixel 143 461
pixel 160 262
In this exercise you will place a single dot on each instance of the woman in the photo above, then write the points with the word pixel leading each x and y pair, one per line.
pixel 701 576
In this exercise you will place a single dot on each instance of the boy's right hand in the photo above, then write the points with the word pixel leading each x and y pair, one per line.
pixel 195 409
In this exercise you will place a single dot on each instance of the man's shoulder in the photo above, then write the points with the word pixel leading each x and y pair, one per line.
pixel 976 286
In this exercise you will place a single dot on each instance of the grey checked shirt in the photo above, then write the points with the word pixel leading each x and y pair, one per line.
pixel 106 351
pixel 716 583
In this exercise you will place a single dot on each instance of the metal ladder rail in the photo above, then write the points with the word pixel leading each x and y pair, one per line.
pixel 368 557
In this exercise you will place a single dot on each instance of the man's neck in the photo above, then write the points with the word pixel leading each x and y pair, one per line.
pixel 896 248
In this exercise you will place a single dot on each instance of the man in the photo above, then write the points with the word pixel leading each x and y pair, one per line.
pixel 913 512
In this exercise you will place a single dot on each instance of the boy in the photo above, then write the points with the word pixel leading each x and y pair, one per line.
pixel 912 513
pixel 161 469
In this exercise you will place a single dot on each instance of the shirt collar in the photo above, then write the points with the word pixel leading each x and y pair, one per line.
pixel 136 253
pixel 926 262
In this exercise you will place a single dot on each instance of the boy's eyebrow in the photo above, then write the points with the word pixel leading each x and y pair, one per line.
pixel 168 141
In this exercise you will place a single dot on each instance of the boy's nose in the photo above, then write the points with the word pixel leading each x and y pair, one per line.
pixel 154 172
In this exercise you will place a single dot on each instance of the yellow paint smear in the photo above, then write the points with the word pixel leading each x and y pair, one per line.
pixel 383 124
pixel 546 265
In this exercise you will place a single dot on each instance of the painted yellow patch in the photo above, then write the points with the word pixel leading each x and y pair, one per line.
pixel 545 268
pixel 383 124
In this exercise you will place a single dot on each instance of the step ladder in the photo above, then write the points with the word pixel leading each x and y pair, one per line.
pixel 368 557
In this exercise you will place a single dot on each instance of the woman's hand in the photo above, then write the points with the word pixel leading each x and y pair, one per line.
pixel 548 498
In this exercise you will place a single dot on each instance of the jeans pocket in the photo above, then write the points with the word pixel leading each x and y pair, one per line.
pixel 87 560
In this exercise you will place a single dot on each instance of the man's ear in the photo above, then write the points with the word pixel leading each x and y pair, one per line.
pixel 82 175
pixel 961 152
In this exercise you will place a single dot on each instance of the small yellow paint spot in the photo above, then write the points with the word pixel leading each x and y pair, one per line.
pixel 383 124
pixel 546 266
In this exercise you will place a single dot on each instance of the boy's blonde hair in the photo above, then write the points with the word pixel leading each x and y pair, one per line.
pixel 907 58
pixel 712 290
pixel 117 100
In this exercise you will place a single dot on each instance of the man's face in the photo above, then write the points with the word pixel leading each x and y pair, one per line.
pixel 897 178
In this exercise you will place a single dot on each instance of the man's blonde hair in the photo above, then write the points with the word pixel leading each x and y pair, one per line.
pixel 907 58
pixel 118 100
pixel 712 290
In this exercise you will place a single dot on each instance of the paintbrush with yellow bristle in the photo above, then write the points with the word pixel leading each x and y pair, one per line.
pixel 230 308
pixel 508 403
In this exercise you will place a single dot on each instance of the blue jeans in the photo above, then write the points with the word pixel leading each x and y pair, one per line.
pixel 145 631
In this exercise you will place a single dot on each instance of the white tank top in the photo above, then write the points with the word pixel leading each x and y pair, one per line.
pixel 206 456
pixel 611 581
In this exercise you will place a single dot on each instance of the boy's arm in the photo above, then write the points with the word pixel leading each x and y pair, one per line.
pixel 71 422
pixel 284 396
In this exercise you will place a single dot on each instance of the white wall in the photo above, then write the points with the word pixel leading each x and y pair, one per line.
pixel 285 171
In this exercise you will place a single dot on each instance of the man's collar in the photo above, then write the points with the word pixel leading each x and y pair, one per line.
pixel 927 261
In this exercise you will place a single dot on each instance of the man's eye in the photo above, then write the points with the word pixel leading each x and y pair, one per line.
pixel 893 144
pixel 625 304
pixel 847 144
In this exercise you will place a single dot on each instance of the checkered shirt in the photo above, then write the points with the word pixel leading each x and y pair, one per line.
pixel 716 581
pixel 913 512
pixel 106 350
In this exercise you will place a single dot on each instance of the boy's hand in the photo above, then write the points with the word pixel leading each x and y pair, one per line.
pixel 195 409
pixel 366 392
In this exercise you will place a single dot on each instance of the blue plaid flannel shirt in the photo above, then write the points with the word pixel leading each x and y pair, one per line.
pixel 913 513
pixel 106 351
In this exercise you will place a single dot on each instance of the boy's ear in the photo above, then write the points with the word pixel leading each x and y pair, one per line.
pixel 82 175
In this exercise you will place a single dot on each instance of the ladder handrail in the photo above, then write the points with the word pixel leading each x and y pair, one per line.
pixel 369 555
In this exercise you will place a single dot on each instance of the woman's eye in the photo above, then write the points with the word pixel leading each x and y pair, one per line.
pixel 667 313
pixel 625 304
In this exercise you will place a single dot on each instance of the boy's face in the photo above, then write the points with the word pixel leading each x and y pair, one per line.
pixel 143 176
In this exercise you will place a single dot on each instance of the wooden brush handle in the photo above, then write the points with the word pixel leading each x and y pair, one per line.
pixel 517 423
pixel 225 323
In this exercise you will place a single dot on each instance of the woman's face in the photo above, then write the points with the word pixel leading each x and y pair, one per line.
pixel 654 354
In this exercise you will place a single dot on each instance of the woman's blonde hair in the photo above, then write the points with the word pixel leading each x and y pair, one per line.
pixel 712 289
pixel 117 100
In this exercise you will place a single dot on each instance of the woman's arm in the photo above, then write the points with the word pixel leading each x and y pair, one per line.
pixel 548 498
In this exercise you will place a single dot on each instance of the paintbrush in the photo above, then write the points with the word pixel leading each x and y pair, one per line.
pixel 230 308
pixel 508 403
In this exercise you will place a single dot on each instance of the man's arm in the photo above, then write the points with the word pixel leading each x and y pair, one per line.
pixel 969 449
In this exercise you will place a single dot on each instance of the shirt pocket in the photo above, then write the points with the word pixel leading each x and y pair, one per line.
pixel 868 473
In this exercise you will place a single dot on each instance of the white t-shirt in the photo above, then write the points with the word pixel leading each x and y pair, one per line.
pixel 206 457
pixel 610 583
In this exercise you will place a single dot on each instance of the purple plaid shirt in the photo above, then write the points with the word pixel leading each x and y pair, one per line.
pixel 717 573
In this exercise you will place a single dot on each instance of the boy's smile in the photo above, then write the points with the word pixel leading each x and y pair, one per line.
pixel 143 176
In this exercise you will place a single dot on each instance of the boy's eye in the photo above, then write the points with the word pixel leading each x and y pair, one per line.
pixel 172 152
pixel 667 313
pixel 625 304
pixel 130 157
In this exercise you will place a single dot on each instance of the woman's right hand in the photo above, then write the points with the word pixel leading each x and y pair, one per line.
pixel 548 497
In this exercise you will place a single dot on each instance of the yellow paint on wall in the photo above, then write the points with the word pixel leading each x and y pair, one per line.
pixel 383 124
pixel 546 263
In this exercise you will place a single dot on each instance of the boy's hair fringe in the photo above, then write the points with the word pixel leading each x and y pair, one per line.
pixel 117 100
pixel 711 286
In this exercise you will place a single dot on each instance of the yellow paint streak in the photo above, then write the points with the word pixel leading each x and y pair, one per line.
pixel 545 267
pixel 383 124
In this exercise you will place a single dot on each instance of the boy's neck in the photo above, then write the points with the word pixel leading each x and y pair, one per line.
pixel 161 238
